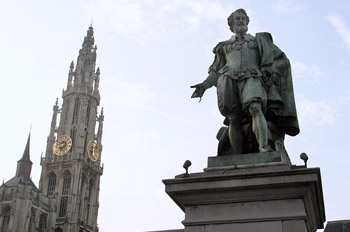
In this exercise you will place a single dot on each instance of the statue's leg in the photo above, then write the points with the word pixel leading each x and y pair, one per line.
pixel 259 126
pixel 235 134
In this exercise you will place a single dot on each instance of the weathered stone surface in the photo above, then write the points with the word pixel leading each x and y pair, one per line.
pixel 294 225
pixel 241 159
pixel 241 227
pixel 250 199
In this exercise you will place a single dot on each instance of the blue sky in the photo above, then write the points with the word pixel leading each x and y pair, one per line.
pixel 149 53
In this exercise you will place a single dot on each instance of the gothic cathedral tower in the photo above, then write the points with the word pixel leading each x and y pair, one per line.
pixel 71 168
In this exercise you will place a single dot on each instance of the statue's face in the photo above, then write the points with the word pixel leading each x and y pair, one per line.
pixel 240 23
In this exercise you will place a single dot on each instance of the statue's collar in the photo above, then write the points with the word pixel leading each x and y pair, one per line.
pixel 246 37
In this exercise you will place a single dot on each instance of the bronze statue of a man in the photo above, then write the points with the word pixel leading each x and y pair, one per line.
pixel 254 88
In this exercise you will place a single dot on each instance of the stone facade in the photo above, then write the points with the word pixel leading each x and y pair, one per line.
pixel 68 194
pixel 23 207
pixel 338 226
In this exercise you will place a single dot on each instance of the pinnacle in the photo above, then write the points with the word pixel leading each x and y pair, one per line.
pixel 26 153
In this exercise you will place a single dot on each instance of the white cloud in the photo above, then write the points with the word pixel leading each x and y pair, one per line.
pixel 342 28
pixel 124 17
pixel 286 6
pixel 150 18
pixel 343 99
pixel 315 113
pixel 310 74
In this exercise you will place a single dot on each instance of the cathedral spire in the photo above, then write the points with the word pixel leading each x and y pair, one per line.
pixel 71 168
pixel 24 165
pixel 89 38
pixel 84 73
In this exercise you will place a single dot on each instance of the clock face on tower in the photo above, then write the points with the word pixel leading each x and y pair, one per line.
pixel 93 151
pixel 62 145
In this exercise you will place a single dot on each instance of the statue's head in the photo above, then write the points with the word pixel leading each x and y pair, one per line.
pixel 238 21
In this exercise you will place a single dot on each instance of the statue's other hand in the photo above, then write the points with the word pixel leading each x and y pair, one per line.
pixel 268 76
pixel 199 91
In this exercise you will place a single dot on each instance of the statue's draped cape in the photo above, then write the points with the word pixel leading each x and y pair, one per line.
pixel 285 117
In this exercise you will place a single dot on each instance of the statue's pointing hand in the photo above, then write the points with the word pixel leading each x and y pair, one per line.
pixel 199 91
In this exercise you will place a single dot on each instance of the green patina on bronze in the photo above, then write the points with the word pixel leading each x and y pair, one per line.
pixel 252 158
pixel 254 90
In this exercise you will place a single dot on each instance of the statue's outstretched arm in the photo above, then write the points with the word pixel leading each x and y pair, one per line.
pixel 211 80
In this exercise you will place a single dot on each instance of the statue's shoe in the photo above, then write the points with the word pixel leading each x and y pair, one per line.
pixel 266 148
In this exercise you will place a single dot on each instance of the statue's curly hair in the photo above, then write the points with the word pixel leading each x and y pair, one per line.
pixel 231 20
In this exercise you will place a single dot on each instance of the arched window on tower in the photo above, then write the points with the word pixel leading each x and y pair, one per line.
pixel 66 183
pixel 82 186
pixel 31 225
pixel 63 206
pixel 66 110
pixel 83 183
pixel 58 230
pixel 52 184
pixel 42 222
pixel 85 143
pixel 72 136
pixel 87 117
pixel 90 192
pixel 76 111
pixel 65 190
pixel 6 213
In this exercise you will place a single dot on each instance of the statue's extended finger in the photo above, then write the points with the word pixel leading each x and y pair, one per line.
pixel 195 95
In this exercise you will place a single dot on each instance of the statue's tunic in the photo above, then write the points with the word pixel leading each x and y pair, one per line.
pixel 240 79
pixel 237 74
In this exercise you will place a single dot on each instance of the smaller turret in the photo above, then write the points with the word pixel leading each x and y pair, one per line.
pixel 97 80
pixel 54 119
pixel 70 76
pixel 24 165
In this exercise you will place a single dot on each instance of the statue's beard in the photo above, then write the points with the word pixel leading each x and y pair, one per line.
pixel 240 29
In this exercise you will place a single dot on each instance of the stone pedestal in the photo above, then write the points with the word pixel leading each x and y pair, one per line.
pixel 279 198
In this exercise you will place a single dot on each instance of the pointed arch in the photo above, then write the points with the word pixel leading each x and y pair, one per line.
pixel 31 225
pixel 6 213
pixel 72 136
pixel 76 111
pixel 66 105
pixel 82 184
pixel 42 222
pixel 91 187
pixel 89 203
pixel 85 142
pixel 52 184
pixel 81 191
pixel 87 116
pixel 58 229
pixel 67 177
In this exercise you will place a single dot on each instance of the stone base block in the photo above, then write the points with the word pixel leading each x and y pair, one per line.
pixel 246 159
pixel 264 199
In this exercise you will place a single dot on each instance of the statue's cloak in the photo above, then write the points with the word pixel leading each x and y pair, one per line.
pixel 283 116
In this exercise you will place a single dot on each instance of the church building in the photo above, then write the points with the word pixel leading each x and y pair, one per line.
pixel 68 195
